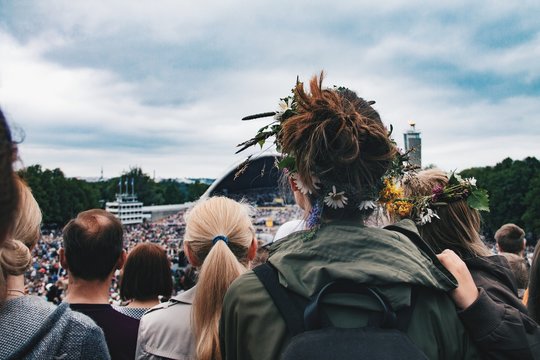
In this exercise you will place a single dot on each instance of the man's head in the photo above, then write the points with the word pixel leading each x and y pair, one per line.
pixel 510 238
pixel 93 245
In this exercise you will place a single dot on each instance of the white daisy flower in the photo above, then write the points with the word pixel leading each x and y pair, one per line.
pixel 284 105
pixel 367 205
pixel 300 185
pixel 471 181
pixel 335 199
pixel 426 215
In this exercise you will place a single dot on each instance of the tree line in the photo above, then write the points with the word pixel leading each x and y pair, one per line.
pixel 514 194
pixel 513 186
pixel 62 198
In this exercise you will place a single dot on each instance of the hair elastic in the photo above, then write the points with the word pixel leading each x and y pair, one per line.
pixel 220 237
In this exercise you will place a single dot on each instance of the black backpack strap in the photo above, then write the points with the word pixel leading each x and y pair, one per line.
pixel 268 276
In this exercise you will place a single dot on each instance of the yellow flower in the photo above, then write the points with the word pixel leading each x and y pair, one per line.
pixel 389 193
pixel 403 208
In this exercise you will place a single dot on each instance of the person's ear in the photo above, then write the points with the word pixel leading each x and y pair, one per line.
pixel 252 251
pixel 192 260
pixel 121 260
pixel 292 184
pixel 63 260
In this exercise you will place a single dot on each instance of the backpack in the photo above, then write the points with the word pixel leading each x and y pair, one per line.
pixel 314 337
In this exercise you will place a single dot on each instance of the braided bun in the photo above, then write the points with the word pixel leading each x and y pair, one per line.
pixel 15 257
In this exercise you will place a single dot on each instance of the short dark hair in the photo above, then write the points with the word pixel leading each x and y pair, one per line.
pixel 510 238
pixel 146 273
pixel 93 242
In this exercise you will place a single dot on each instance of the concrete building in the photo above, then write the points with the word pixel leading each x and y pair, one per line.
pixel 413 142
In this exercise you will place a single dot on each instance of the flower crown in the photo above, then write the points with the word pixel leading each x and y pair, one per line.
pixel 287 108
pixel 422 209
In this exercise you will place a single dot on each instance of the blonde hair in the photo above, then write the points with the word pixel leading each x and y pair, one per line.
pixel 15 255
pixel 15 258
pixel 27 222
pixel 458 226
pixel 220 263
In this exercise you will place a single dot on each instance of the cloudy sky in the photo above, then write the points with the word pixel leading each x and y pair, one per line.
pixel 163 84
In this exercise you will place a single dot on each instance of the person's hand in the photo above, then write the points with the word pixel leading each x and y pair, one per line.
pixel 466 293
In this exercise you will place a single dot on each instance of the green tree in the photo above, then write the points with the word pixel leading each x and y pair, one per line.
pixel 60 199
pixel 531 217
pixel 195 190
pixel 171 192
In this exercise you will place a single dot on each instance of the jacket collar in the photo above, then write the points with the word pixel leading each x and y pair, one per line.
pixel 185 297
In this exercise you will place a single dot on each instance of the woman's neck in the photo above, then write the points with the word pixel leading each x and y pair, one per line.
pixel 15 286
pixel 143 303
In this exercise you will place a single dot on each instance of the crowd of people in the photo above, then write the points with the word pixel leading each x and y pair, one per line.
pixel 376 260
pixel 47 278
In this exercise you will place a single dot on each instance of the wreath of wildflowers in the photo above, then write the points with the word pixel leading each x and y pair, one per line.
pixel 423 209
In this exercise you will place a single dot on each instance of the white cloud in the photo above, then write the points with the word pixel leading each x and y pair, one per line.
pixel 215 62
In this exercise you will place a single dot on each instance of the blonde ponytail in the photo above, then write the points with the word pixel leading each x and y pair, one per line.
pixel 218 271
pixel 219 234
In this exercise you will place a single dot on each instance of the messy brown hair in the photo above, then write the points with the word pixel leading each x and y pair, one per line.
pixel 338 137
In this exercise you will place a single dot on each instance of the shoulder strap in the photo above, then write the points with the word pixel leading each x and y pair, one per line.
pixel 268 276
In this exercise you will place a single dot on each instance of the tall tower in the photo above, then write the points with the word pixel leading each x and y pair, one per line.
pixel 414 142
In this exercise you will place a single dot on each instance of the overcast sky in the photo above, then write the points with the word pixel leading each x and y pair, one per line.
pixel 163 84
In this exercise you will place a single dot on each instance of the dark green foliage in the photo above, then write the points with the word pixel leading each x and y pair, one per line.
pixel 195 190
pixel 61 198
pixel 514 193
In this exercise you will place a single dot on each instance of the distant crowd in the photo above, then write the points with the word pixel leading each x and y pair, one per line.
pixel 47 278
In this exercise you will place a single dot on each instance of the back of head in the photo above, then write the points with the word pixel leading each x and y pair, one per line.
pixel 458 225
pixel 15 255
pixel 15 258
pixel 93 243
pixel 27 217
pixel 519 268
pixel 8 193
pixel 146 273
pixel 510 238
pixel 218 237
pixel 340 147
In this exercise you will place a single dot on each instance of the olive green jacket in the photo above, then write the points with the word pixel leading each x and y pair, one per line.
pixel 252 328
